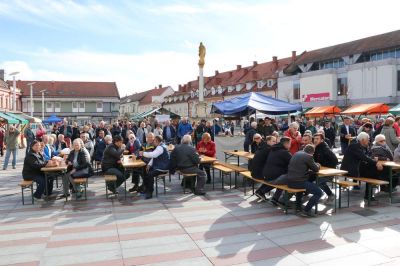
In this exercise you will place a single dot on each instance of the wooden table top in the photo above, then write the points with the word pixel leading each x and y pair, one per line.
pixel 60 168
pixel 244 154
pixel 206 159
pixel 130 163
pixel 394 165
pixel 325 171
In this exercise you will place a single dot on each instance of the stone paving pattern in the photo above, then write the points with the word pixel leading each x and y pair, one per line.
pixel 223 228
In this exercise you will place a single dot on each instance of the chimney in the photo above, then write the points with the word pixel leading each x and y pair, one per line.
pixel 238 67
pixel 275 63
pixel 180 88
pixel 216 72
pixel 160 86
pixel 254 74
pixel 2 74
pixel 293 56
pixel 255 63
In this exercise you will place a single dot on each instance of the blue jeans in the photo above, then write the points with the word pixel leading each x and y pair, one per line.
pixel 7 158
pixel 310 188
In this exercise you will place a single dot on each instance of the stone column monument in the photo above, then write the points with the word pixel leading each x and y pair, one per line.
pixel 201 106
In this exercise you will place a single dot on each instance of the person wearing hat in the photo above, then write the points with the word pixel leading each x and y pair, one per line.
pixel 347 131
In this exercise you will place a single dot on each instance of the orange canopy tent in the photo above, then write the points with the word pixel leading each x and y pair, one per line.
pixel 367 109
pixel 323 111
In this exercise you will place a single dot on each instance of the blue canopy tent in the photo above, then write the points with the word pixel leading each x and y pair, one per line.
pixel 250 103
pixel 52 119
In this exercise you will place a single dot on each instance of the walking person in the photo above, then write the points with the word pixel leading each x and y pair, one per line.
pixel 2 133
pixel 11 141
pixel 29 136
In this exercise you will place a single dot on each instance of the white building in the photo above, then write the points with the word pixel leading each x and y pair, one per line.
pixel 154 98
pixel 362 71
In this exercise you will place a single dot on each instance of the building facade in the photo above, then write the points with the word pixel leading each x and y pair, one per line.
pixel 129 105
pixel 82 102
pixel 361 71
pixel 6 95
pixel 154 98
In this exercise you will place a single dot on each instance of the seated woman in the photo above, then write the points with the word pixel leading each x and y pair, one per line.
pixel 206 147
pixel 382 151
pixel 79 166
pixel 33 164
pixel 87 142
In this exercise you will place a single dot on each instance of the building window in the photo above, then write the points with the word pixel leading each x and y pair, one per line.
pixel 49 107
pixel 341 86
pixel 296 90
pixel 99 107
pixel 81 107
pixel 57 107
pixel 75 107
pixel 398 80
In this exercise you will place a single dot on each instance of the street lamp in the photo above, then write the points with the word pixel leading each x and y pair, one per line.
pixel 42 91
pixel 15 90
pixel 31 85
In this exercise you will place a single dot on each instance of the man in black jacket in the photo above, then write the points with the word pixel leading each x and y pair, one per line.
pixel 355 154
pixel 185 159
pixel 325 157
pixel 346 133
pixel 276 165
pixel 330 133
pixel 248 139
pixel 111 163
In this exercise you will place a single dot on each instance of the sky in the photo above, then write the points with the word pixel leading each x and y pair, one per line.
pixel 141 44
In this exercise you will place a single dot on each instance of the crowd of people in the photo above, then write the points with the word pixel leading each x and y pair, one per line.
pixel 288 153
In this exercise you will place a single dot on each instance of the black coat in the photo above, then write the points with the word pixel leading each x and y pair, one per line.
pixel 173 134
pixel 254 147
pixel 112 154
pixel 248 139
pixel 83 160
pixel 343 132
pixel 325 156
pixel 258 162
pixel 353 157
pixel 330 135
pixel 277 162
pixel 33 162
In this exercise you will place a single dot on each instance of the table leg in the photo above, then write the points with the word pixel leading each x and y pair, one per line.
pixel 390 184
pixel 46 197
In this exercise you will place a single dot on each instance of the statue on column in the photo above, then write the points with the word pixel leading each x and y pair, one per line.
pixel 202 54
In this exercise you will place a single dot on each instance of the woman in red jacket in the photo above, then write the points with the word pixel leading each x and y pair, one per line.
pixel 206 147
pixel 295 137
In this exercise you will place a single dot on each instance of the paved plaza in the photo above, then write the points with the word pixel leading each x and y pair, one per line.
pixel 223 228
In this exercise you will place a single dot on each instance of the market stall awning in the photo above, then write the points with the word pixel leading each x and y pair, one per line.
pixel 20 118
pixel 252 102
pixel 52 119
pixel 323 111
pixel 367 109
pixel 8 119
pixel 395 110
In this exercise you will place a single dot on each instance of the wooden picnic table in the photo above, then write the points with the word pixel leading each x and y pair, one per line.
pixel 238 154
pixel 392 166
pixel 131 164
pixel 61 169
pixel 207 160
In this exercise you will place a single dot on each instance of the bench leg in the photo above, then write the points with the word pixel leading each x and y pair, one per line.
pixel 285 196
pixel 369 195
pixel 184 184
pixel 340 196
pixel 253 186
pixel 106 190
pixel 156 186
pixel 86 185
pixel 348 197
pixel 23 200
pixel 165 191
pixel 244 185
pixel 230 180
pixel 221 176
pixel 236 176
pixel 213 177
pixel 32 193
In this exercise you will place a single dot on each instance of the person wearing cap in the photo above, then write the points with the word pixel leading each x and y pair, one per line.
pixel 347 131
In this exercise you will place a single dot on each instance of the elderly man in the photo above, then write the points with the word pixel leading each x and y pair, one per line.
pixel 257 143
pixel 66 130
pixel 248 139
pixel 184 128
pixel 159 163
pixel 355 154
pixel 11 141
pixel 102 127
pixel 300 167
pixel 88 144
pixel 185 158
pixel 347 131
pixel 169 133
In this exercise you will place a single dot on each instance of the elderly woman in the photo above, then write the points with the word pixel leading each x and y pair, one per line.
pixel 40 132
pixel 381 151
pixel 33 163
pixel 79 166
pixel 87 143
pixel 158 130
pixel 206 147
pixel 295 137
pixel 388 131
pixel 86 129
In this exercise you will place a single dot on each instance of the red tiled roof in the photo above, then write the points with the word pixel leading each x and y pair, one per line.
pixel 134 97
pixel 265 70
pixel 67 89
pixel 369 44
pixel 149 96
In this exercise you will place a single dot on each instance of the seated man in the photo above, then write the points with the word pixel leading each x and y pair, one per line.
pixel 257 143
pixel 87 142
pixel 60 144
pixel 206 147
pixel 305 140
pixel 133 145
pixel 325 157
pixel 276 166
pixel 111 163
pixel 99 147
pixel 300 167
pixel 159 163
pixel 148 146
pixel 185 159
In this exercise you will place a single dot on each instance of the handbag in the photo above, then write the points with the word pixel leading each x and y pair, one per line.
pixel 81 173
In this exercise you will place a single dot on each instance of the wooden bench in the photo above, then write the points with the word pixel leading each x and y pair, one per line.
pixel 184 176
pixel 81 181
pixel 236 168
pixel 110 179
pixel 372 182
pixel 344 184
pixel 25 184
pixel 287 190
pixel 224 172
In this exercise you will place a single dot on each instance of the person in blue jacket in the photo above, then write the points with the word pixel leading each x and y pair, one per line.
pixel 184 128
